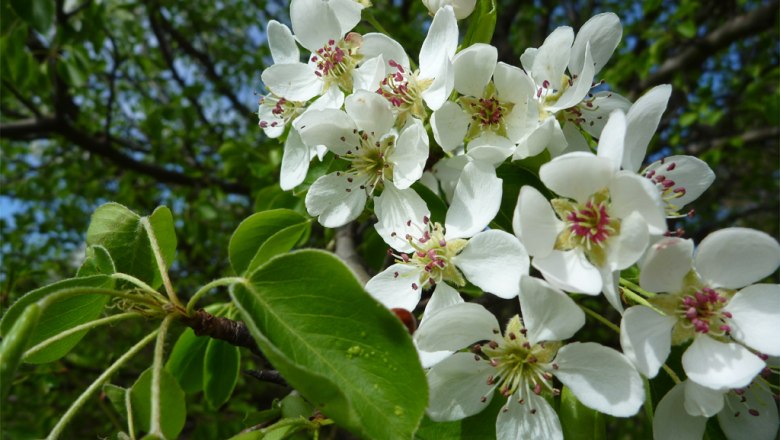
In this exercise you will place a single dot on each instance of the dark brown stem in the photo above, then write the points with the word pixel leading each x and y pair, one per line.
pixel 272 376
pixel 225 329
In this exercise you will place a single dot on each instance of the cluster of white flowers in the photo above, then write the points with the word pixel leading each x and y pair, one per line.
pixel 361 99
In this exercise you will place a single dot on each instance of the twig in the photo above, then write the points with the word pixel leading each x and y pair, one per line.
pixel 233 332
pixel 272 376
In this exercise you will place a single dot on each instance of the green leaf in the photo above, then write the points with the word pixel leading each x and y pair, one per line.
pixel 578 421
pixel 173 410
pixel 59 316
pixel 341 349
pixel 220 372
pixel 13 345
pixel 515 176
pixel 279 243
pixel 98 262
pixel 185 362
pixel 254 231
pixel 483 24
pixel 38 13
pixel 122 233
pixel 116 395
pixel 273 197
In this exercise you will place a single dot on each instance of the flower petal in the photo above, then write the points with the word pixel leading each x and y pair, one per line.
pixel 534 419
pixel 456 327
pixel 295 161
pixel 569 271
pixel 642 120
pixel 375 44
pixel 457 387
pixel 512 84
pixel 494 261
pixel 601 378
pixel 595 112
pixel 736 257
pixel 370 111
pixel 535 222
pixel 440 43
pixel 475 202
pixel 448 171
pixel 314 23
pixel 334 200
pixel 348 13
pixel 440 89
pixel 474 66
pixel 739 423
pixel 672 422
pixel 330 127
pixel 755 321
pixel 284 50
pixel 702 401
pixel 632 242
pixel 603 32
pixel 632 193
pixel 393 287
pixel 548 313
pixel 646 338
pixel 400 212
pixel 666 264
pixel 294 82
pixel 552 57
pixel 449 124
pixel 442 297
pixel 579 88
pixel 691 175
pixel 410 155
pixel 720 365
pixel 490 148
pixel 577 175
pixel 612 139
pixel 609 281
pixel 369 74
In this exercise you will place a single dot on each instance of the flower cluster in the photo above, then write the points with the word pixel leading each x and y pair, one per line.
pixel 592 221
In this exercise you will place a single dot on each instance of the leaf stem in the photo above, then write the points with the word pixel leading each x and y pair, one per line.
pixel 82 399
pixel 133 280
pixel 76 291
pixel 648 401
pixel 160 262
pixel 159 351
pixel 640 300
pixel 636 288
pixel 600 318
pixel 671 374
pixel 205 289
pixel 86 326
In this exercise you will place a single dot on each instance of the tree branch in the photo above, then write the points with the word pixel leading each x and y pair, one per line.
pixel 272 376
pixel 750 23
pixel 218 327
pixel 747 137
pixel 345 249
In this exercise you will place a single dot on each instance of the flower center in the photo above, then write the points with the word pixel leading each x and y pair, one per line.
pixel 336 60
pixel 702 311
pixel 521 367
pixel 368 161
pixel 404 91
pixel 588 226
pixel 488 113
pixel 668 188
pixel 282 110
pixel 433 254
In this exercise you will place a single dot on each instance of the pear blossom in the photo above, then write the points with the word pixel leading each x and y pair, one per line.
pixel 521 364
pixel 600 225
pixel 428 253
pixel 680 180
pixel 701 304
pixel 462 8
pixel 378 155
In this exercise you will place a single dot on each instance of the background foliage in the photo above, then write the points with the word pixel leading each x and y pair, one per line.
pixel 152 102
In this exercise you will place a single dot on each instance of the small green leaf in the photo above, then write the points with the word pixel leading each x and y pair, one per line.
pixel 162 225
pixel 98 262
pixel 38 13
pixel 13 345
pixel 483 24
pixel 220 372
pixel 341 349
pixel 185 362
pixel 293 405
pixel 256 230
pixel 173 410
pixel 116 395
pixel 279 243
pixel 578 421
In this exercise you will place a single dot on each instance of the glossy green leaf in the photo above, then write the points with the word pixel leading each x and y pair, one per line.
pixel 173 410
pixel 122 233
pixel 279 243
pixel 336 345
pixel 13 345
pixel 185 362
pixel 221 366
pixel 38 13
pixel 483 23
pixel 578 421
pixel 98 262
pixel 253 232
pixel 117 396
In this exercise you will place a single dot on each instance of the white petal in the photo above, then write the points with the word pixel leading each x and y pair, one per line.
pixel 494 261
pixel 576 175
pixel 448 171
pixel 375 44
pixel 295 161
pixel 512 84
pixel 666 264
pixel 282 44
pixel 329 127
pixel 537 138
pixel 457 386
pixel 294 82
pixel 629 246
pixel 736 257
pixel 329 199
pixel 574 139
pixel 603 32
pixel 528 57
pixel 348 12
pixel 610 281
pixel 449 124
pixel 552 57
pixel 456 327
pixel 400 212
pixel 672 422
pixel 646 338
pixel 597 113
pixel 273 125
pixel 534 419
pixel 410 155
pixel 720 365
pixel 474 67
pixel 570 271
pixel 548 313
pixel 632 193
pixel 688 173
pixel 535 222
pixel 490 148
pixel 737 423
pixel 755 318
pixel 579 88
pixel 643 119
pixel 332 98
pixel 702 401
pixel 440 89
pixel 369 74
pixel 429 180
pixel 370 111
pixel 612 138
pixel 396 291
pixel 440 43
pixel 430 358
pixel 442 297
pixel 314 22
pixel 601 378
pixel 475 202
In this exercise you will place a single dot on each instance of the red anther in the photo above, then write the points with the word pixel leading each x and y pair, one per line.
pixel 415 286
pixel 493 344
pixel 671 166
pixel 537 389
pixel 407 319
pixel 546 84
pixel 753 412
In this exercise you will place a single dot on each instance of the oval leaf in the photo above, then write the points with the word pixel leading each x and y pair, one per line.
pixel 97 262
pixel 186 361
pixel 578 421
pixel 279 243
pixel 173 410
pixel 13 346
pixel 256 230
pixel 220 372
pixel 335 344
